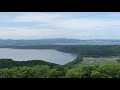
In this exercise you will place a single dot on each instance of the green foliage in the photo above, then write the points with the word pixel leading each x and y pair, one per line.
pixel 44 71
pixel 112 71
pixel 9 63
pixel 118 60
pixel 75 73
pixel 61 71
pixel 39 72
pixel 80 72
pixel 101 71
pixel 96 74
pixel 77 61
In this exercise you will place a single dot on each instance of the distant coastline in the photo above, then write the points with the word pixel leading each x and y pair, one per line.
pixel 58 41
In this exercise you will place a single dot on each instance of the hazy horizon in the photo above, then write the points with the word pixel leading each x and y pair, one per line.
pixel 50 25
pixel 59 38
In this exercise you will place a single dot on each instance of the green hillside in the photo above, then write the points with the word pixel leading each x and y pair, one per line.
pixel 9 63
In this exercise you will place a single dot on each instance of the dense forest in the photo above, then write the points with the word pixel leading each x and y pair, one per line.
pixel 45 71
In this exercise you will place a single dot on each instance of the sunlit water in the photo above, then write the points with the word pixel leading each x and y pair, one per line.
pixel 48 55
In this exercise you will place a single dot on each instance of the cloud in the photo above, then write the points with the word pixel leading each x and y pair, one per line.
pixel 37 17
pixel 27 33
pixel 61 21
pixel 87 23
pixel 113 14
pixel 55 25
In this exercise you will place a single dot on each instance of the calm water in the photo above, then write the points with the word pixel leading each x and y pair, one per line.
pixel 39 54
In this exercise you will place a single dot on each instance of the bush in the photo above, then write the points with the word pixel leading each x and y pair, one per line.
pixel 118 60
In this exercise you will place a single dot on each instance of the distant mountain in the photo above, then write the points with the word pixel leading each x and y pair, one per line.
pixel 37 41
pixel 59 41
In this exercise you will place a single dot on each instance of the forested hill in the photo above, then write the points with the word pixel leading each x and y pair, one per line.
pixel 9 63
pixel 37 41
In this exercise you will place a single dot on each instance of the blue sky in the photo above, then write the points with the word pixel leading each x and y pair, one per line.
pixel 76 25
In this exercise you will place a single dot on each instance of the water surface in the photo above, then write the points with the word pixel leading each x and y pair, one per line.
pixel 48 55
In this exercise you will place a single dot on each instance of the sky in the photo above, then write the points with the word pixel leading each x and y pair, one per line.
pixel 71 25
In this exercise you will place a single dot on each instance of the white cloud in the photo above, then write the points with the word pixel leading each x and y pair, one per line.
pixel 59 21
pixel 113 14
pixel 55 25
pixel 86 23
pixel 37 17
pixel 27 33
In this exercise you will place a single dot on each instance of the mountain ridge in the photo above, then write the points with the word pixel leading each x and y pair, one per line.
pixel 59 41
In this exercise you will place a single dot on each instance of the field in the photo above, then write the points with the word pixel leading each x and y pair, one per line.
pixel 100 60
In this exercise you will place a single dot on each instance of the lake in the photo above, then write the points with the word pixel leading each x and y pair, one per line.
pixel 48 55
